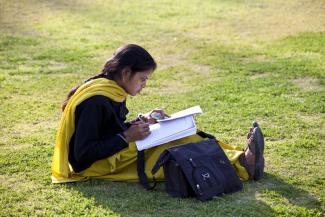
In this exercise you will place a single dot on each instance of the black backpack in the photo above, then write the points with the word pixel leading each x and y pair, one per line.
pixel 199 169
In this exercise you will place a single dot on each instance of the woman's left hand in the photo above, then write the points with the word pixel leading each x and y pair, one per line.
pixel 156 114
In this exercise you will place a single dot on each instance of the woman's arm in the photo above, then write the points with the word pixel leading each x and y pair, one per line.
pixel 89 144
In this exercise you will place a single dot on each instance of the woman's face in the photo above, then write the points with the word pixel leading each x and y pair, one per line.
pixel 134 84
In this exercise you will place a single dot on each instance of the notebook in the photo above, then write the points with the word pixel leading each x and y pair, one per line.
pixel 177 126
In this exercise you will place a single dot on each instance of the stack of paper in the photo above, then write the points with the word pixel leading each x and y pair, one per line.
pixel 179 125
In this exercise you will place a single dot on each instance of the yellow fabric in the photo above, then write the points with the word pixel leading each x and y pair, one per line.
pixel 122 165
pixel 233 154
pixel 61 170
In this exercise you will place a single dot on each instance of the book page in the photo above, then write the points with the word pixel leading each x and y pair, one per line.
pixel 163 131
pixel 190 111
pixel 174 137
pixel 170 128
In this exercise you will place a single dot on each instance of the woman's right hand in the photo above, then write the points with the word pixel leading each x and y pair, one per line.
pixel 137 131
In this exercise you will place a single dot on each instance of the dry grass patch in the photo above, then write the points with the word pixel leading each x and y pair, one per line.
pixel 257 22
pixel 28 129
pixel 167 88
pixel 308 84
pixel 260 75
pixel 17 17
pixel 18 184
pixel 316 118
pixel 200 69
pixel 258 58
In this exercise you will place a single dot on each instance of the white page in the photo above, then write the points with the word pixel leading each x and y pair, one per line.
pixel 185 133
pixel 170 128
pixel 190 111
pixel 163 131
pixel 179 135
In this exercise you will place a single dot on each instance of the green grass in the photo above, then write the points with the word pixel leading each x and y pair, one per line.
pixel 240 60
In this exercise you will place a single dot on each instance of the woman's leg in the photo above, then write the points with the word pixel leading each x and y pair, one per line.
pixel 123 165
pixel 234 153
pixel 253 157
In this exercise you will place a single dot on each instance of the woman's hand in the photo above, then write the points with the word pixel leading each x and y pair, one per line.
pixel 137 131
pixel 156 114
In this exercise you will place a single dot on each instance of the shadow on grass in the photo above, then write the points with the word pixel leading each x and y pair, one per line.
pixel 272 186
pixel 130 199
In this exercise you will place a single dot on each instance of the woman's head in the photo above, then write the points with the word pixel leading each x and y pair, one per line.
pixel 130 67
pixel 131 57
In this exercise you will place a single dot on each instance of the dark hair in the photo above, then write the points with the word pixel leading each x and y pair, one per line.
pixel 131 56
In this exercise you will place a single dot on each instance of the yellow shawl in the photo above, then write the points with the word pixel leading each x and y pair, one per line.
pixel 61 170
pixel 121 166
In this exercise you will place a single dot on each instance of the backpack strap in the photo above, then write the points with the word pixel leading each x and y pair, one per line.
pixel 206 135
pixel 163 158
pixel 143 179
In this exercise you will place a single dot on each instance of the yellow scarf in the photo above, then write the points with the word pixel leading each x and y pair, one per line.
pixel 61 169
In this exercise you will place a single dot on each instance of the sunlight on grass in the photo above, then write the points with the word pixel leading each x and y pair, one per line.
pixel 240 60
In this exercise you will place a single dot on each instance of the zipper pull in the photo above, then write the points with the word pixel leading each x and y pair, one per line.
pixel 199 189
pixel 192 162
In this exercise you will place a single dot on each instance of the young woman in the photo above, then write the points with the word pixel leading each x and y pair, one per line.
pixel 94 141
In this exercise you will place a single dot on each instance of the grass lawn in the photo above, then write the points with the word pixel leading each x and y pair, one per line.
pixel 239 60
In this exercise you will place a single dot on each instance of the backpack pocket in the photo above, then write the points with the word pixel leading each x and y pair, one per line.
pixel 206 179
pixel 176 182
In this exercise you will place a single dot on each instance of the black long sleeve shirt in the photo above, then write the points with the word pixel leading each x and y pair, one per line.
pixel 98 121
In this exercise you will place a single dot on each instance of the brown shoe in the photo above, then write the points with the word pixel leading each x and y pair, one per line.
pixel 253 157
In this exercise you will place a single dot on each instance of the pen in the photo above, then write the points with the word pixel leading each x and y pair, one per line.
pixel 141 118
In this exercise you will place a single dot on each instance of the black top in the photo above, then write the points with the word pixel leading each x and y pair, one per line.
pixel 99 123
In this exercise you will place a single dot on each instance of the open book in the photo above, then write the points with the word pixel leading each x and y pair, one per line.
pixel 178 125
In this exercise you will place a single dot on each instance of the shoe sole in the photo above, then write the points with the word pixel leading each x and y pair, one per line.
pixel 258 139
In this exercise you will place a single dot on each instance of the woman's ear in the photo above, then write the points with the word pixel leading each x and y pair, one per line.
pixel 126 74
